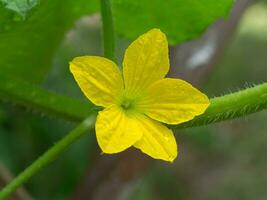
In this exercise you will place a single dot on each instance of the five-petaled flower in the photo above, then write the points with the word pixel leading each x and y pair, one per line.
pixel 137 100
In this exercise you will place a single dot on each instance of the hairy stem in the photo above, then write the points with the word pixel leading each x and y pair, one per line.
pixel 238 104
pixel 108 30
pixel 47 157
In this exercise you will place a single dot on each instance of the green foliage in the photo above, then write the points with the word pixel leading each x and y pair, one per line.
pixel 27 46
pixel 181 20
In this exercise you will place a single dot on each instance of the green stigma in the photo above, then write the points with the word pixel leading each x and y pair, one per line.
pixel 127 104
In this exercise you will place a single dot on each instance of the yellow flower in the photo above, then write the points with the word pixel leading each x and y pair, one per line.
pixel 139 100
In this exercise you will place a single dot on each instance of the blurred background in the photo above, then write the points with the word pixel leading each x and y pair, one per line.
pixel 220 161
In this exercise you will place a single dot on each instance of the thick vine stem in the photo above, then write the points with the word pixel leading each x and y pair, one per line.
pixel 108 30
pixel 48 157
pixel 238 104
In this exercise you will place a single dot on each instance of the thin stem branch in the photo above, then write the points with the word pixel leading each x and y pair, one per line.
pixel 47 157
pixel 108 30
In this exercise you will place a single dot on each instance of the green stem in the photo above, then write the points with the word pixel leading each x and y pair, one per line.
pixel 108 30
pixel 47 157
pixel 238 104
pixel 38 99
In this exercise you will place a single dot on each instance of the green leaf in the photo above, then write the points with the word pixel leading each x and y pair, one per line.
pixel 180 19
pixel 27 46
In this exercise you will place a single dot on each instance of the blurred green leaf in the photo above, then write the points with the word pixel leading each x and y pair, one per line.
pixel 180 19
pixel 27 46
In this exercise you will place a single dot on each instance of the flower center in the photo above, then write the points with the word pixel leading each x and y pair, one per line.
pixel 127 104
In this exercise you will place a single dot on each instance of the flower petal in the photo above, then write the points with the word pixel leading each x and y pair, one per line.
pixel 157 141
pixel 99 79
pixel 146 61
pixel 115 130
pixel 173 101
